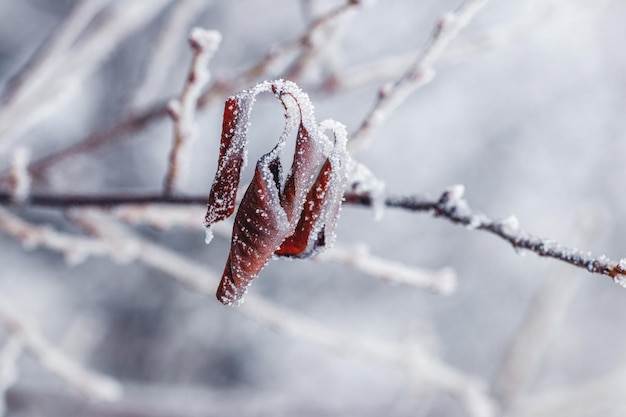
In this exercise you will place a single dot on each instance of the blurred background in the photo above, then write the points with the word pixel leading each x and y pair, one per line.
pixel 526 111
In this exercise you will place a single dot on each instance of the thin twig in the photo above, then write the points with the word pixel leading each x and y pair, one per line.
pixel 139 120
pixel 450 206
pixel 442 281
pixel 420 73
pixel 204 44
pixel 315 41
pixel 453 207
pixel 522 358
pixel 277 57
pixel 29 336
pixel 76 249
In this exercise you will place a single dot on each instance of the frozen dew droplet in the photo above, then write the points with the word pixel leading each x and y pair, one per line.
pixel 208 234
pixel 511 223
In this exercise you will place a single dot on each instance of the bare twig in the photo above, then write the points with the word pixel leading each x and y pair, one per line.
pixel 76 249
pixel 454 208
pixel 420 73
pixel 441 281
pixel 57 362
pixel 522 358
pixel 204 44
pixel 450 206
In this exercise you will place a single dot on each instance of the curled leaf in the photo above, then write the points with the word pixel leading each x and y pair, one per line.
pixel 291 217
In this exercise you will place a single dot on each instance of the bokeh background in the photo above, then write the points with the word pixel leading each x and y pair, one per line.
pixel 526 111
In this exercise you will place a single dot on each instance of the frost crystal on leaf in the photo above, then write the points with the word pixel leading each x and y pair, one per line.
pixel 291 216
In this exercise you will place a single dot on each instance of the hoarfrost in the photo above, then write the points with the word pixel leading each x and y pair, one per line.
pixel 511 223
pixel 208 234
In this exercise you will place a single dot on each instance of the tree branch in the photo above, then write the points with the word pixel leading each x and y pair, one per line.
pixel 450 206
pixel 204 43
pixel 420 73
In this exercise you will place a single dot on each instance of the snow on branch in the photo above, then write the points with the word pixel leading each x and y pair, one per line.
pixel 30 338
pixel 204 44
pixel 453 207
pixel 420 73
pixel 450 206
pixel 274 61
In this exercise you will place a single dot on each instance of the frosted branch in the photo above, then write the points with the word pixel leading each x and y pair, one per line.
pixel 76 249
pixel 450 206
pixel 194 276
pixel 523 356
pixel 278 58
pixel 453 207
pixel 466 390
pixel 50 357
pixel 136 121
pixel 420 73
pixel 204 44
pixel 441 281
pixel 318 38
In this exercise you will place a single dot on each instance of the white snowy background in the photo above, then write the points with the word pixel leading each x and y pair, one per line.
pixel 526 110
